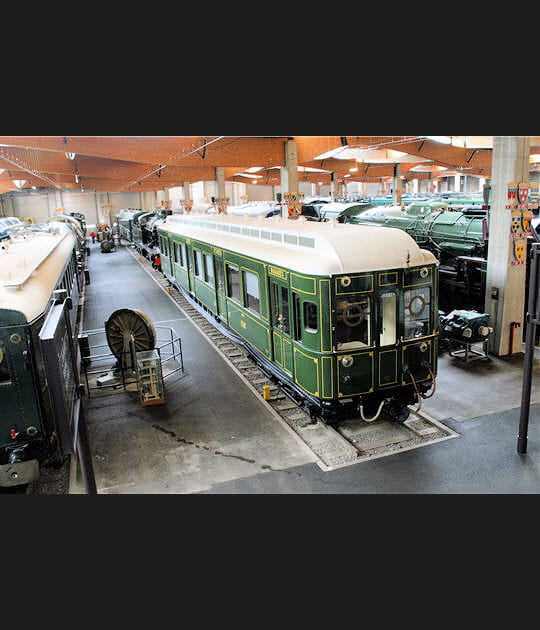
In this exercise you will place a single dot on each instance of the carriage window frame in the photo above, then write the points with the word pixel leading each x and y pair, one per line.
pixel 310 329
pixel 5 372
pixel 253 304
pixel 209 278
pixel 411 317
pixel 183 255
pixel 297 317
pixel 232 285
pixel 354 344
pixel 198 264
pixel 383 319
pixel 175 252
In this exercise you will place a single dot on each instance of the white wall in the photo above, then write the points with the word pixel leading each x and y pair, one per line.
pixel 40 205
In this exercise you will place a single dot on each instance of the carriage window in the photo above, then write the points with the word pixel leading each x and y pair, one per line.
pixel 220 278
pixel 183 255
pixel 417 313
pixel 209 269
pixel 5 376
pixel 197 259
pixel 310 317
pixel 233 282
pixel 251 284
pixel 175 250
pixel 388 330
pixel 296 315
pixel 353 328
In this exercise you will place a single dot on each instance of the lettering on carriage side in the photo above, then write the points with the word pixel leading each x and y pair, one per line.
pixel 276 271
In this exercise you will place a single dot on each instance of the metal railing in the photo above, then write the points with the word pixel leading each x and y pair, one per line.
pixel 96 362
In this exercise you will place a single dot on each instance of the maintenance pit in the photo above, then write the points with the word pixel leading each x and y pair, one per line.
pixel 216 433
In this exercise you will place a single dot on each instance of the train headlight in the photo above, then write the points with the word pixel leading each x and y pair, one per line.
pixel 484 331
pixel 345 281
pixel 347 361
pixel 424 272
pixel 423 346
pixel 467 333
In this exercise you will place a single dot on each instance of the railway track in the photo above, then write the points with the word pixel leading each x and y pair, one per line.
pixel 347 442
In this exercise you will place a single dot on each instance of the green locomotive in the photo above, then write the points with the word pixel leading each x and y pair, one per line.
pixel 343 316
pixel 457 238
pixel 125 220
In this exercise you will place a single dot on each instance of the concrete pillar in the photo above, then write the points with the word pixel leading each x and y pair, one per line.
pixel 166 195
pixel 457 182
pixel 289 174
pixel 334 192
pixel 505 283
pixel 187 191
pixel 220 181
pixel 481 183
pixel 415 186
pixel 396 197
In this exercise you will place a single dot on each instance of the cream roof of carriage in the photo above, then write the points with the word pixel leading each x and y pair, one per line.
pixel 309 247
pixel 30 266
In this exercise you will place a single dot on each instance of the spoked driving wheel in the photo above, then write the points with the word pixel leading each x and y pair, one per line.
pixel 126 324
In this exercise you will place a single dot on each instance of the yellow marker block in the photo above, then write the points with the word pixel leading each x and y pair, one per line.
pixel 169 290
pixel 266 392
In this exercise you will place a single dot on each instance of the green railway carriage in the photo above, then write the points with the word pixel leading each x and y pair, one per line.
pixel 32 266
pixel 343 315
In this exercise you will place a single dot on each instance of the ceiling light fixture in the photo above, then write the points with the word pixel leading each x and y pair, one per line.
pixel 19 182
pixel 71 156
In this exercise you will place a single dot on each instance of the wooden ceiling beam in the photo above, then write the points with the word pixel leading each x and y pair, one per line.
pixel 152 150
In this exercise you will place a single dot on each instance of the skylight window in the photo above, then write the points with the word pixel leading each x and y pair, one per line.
pixel 442 139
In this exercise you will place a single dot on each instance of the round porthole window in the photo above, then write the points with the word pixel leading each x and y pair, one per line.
pixel 417 305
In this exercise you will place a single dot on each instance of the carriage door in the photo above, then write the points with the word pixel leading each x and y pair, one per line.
pixel 281 324
pixel 388 354
pixel 220 291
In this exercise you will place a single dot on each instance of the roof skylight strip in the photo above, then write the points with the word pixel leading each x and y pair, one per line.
pixel 281 237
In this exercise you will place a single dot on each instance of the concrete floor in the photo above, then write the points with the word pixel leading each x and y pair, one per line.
pixel 212 428
pixel 215 436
